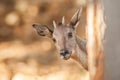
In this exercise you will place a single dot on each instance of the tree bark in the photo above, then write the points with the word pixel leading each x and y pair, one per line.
pixel 95 29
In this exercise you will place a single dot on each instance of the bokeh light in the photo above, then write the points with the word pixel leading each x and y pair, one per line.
pixel 24 55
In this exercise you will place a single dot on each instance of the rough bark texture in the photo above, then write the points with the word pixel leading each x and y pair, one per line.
pixel 95 33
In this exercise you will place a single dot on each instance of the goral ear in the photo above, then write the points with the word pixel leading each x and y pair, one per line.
pixel 75 19
pixel 43 30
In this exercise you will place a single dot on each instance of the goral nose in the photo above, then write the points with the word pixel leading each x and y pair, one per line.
pixel 63 52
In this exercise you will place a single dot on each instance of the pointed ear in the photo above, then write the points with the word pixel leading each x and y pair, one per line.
pixel 43 30
pixel 75 19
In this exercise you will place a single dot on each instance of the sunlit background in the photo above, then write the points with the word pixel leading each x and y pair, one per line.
pixel 24 55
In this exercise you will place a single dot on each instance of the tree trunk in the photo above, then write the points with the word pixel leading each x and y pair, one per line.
pixel 95 29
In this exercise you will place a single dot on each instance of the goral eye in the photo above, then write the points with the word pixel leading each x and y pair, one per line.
pixel 54 39
pixel 70 35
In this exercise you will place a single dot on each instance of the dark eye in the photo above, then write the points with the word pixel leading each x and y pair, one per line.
pixel 70 35
pixel 54 39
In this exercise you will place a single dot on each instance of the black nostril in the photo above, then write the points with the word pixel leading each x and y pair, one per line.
pixel 63 52
pixel 66 52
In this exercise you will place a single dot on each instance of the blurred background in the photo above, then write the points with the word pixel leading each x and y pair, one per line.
pixel 24 55
pixel 112 39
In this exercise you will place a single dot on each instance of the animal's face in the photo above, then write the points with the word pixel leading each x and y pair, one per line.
pixel 64 39
pixel 63 35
